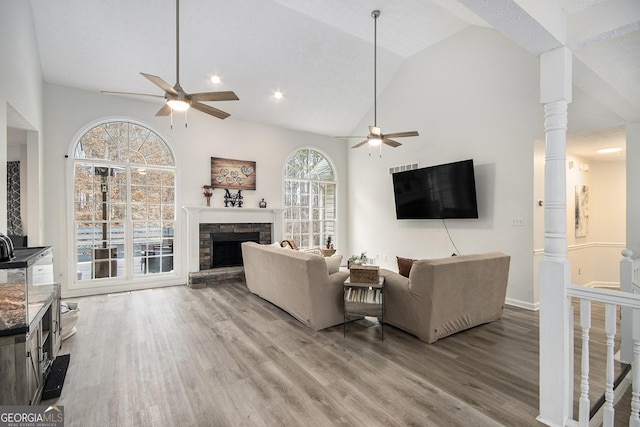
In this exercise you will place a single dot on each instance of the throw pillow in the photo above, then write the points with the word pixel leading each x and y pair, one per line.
pixel 276 245
pixel 404 265
pixel 289 243
pixel 333 263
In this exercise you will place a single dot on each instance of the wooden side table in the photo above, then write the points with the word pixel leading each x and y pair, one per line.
pixel 363 299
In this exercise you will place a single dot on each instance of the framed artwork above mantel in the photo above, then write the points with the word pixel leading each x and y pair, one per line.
pixel 233 174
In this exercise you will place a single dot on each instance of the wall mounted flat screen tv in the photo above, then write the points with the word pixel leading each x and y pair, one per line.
pixel 436 192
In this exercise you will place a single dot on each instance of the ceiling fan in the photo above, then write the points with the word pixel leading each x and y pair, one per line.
pixel 176 99
pixel 376 137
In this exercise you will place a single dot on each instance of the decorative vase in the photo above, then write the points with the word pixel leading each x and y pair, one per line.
pixel 262 203
pixel 209 201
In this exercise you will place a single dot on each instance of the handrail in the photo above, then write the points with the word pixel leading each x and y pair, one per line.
pixel 623 299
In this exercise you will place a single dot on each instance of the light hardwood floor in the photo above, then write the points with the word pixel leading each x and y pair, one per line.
pixel 224 357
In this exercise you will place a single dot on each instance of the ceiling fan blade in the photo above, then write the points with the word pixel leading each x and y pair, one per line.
pixel 210 110
pixel 108 92
pixel 164 111
pixel 161 84
pixel 350 137
pixel 374 130
pixel 359 144
pixel 214 96
pixel 401 134
pixel 391 142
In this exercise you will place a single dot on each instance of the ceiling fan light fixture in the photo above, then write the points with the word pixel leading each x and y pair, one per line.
pixel 376 138
pixel 375 141
pixel 178 104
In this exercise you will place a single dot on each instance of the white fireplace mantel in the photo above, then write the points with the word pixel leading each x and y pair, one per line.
pixel 197 215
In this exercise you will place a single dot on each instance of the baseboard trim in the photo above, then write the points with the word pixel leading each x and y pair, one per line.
pixel 523 304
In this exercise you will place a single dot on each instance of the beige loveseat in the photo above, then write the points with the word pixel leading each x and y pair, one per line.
pixel 297 282
pixel 444 296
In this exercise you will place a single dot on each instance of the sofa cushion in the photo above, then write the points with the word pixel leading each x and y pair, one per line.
pixel 404 265
pixel 333 263
pixel 315 251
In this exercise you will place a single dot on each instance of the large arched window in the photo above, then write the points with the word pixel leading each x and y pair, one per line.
pixel 123 201
pixel 309 198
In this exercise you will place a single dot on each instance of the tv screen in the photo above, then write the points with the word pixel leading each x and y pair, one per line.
pixel 442 191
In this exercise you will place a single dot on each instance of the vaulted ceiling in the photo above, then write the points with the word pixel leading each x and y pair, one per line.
pixel 318 53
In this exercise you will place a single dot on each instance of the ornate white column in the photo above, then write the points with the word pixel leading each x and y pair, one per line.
pixel 556 366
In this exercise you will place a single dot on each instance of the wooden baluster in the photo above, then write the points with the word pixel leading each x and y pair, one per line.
pixel 634 418
pixel 610 329
pixel 585 324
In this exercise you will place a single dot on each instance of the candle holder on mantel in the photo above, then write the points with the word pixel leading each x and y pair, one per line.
pixel 208 192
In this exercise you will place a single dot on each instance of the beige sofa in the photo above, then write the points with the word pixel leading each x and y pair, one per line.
pixel 297 282
pixel 444 296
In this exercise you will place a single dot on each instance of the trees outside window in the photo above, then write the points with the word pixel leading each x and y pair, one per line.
pixel 124 202
pixel 309 199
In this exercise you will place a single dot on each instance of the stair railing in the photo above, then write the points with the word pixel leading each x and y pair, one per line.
pixel 628 299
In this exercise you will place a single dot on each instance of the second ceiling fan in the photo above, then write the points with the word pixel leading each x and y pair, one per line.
pixel 376 137
pixel 176 99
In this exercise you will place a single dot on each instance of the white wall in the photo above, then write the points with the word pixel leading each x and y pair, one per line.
pixel 474 95
pixel 595 258
pixel 20 87
pixel 633 178
pixel 70 111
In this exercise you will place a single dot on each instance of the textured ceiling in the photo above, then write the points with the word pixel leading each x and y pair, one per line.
pixel 319 53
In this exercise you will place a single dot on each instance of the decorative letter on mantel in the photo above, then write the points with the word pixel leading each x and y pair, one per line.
pixel 234 174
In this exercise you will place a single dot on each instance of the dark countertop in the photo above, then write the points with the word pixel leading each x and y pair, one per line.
pixel 24 257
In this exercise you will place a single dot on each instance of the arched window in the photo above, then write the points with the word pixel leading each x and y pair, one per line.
pixel 124 203
pixel 309 198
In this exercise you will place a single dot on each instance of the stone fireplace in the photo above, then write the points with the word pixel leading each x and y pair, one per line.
pixel 229 226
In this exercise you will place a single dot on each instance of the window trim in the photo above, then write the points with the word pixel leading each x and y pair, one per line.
pixel 123 283
pixel 336 182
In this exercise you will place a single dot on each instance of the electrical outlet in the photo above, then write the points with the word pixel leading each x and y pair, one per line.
pixel 517 221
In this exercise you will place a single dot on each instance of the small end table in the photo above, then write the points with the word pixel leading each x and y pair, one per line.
pixel 364 299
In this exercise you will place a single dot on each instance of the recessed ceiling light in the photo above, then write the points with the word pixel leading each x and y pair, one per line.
pixel 215 79
pixel 609 150
pixel 278 95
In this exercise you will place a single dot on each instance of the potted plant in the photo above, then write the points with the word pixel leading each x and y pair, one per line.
pixel 329 245
pixel 357 259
